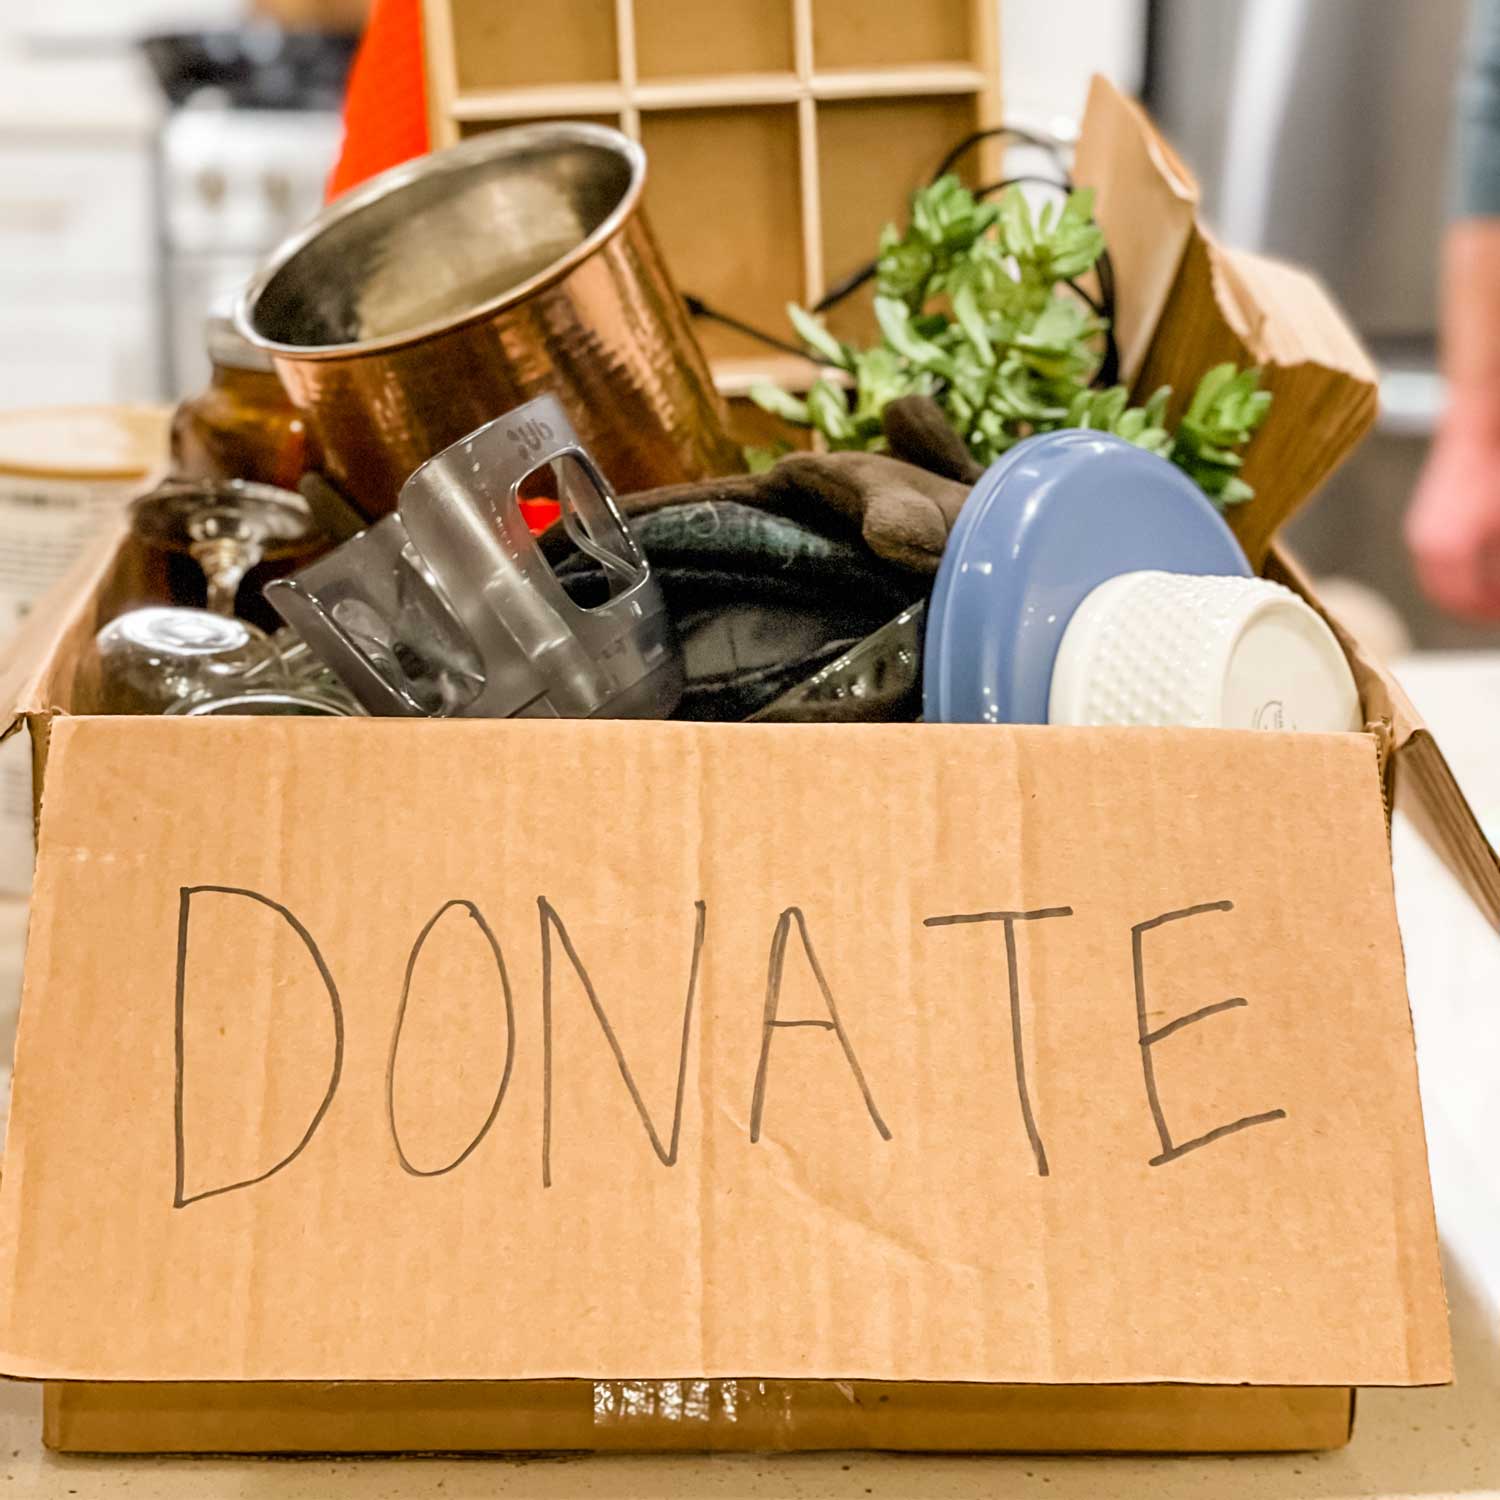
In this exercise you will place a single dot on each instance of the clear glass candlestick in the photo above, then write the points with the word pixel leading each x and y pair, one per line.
pixel 226 527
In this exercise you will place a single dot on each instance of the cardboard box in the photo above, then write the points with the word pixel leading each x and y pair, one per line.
pixel 790 1182
pixel 690 1416
pixel 486 1085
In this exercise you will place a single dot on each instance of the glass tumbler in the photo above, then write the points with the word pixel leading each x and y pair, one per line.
pixel 153 659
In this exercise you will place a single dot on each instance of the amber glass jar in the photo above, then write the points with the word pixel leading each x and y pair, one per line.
pixel 243 426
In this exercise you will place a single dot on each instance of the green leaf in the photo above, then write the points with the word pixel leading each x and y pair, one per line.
pixel 811 331
pixel 1078 210
pixel 947 227
pixel 975 309
pixel 880 376
pixel 759 459
pixel 829 407
pixel 895 324
pixel 1224 413
pixel 1015 223
pixel 1111 406
pixel 780 403
pixel 1210 387
pixel 971 320
pixel 904 270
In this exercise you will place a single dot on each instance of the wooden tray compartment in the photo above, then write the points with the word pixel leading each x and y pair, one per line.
pixel 782 134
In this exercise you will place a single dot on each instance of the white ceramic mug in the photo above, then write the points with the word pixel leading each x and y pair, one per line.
pixel 1203 652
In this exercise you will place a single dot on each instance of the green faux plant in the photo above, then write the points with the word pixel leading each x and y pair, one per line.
pixel 975 309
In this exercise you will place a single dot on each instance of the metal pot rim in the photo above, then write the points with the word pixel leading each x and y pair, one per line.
pixel 493 144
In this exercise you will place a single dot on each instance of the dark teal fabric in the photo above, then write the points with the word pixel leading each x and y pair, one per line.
pixel 760 601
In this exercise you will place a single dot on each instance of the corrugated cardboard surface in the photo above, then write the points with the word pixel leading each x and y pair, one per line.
pixel 1419 780
pixel 1230 305
pixel 42 665
pixel 855 1187
pixel 691 1416
pixel 1146 199
pixel 1187 303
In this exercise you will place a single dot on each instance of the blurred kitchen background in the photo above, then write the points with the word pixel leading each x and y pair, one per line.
pixel 150 153
pixel 1319 130
pixel 152 150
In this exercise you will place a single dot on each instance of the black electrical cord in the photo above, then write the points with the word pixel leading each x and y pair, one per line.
pixel 1108 373
pixel 1103 306
pixel 845 287
pixel 1008 132
pixel 698 308
pixel 856 279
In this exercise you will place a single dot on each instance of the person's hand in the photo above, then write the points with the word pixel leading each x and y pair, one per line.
pixel 1453 525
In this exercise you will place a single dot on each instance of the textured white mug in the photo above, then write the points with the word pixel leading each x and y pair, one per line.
pixel 1204 652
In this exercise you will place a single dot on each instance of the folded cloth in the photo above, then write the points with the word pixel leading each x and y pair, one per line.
pixel 760 601
pixel 902 513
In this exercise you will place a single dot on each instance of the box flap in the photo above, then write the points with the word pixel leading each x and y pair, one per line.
pixel 1418 778
pixel 377 1050
pixel 1427 792
pixel 1228 305
pixel 38 662
pixel 1147 201
pixel 1186 303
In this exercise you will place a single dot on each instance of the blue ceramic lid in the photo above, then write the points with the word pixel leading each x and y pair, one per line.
pixel 1055 517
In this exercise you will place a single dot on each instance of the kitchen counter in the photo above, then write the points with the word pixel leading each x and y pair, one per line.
pixel 1406 1443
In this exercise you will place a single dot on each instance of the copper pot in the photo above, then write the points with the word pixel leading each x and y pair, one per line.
pixel 440 294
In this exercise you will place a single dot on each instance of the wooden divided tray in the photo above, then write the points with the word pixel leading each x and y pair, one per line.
pixel 782 134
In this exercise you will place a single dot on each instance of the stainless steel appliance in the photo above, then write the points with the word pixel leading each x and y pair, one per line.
pixel 1319 130
pixel 244 155
pixel 234 184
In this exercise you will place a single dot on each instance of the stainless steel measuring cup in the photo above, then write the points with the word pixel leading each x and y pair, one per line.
pixel 449 608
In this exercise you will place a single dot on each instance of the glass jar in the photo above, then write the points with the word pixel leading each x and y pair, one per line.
pixel 243 426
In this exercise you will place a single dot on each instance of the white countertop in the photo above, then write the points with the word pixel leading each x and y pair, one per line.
pixel 1406 1443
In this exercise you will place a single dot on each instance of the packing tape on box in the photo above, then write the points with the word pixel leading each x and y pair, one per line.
pixel 702 1414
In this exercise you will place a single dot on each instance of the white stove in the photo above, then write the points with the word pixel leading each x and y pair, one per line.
pixel 233 184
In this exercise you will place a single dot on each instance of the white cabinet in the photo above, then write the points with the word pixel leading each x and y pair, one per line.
pixel 79 352
pixel 79 277
pixel 75 213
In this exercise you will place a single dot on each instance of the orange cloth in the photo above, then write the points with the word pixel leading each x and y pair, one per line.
pixel 385 105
